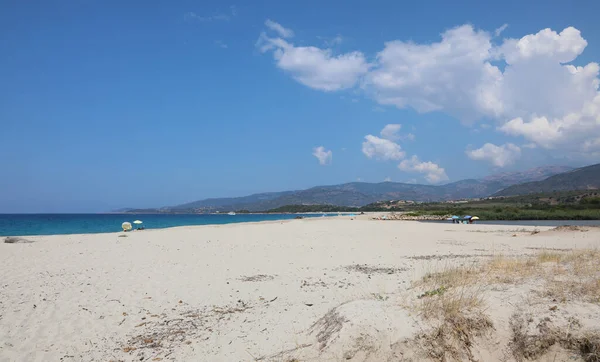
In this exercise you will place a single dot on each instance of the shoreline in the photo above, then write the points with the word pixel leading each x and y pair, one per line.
pixel 365 216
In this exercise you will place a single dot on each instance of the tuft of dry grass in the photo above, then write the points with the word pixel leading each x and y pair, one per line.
pixel 549 257
pixel 530 343
pixel 576 276
pixel 568 275
pixel 458 317
pixel 455 307
pixel 454 299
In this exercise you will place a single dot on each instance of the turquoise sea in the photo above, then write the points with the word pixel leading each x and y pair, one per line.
pixel 50 224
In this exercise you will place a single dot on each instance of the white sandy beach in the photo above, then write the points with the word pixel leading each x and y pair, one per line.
pixel 249 292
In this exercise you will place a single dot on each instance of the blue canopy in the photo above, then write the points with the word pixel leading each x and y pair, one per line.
pixel 467 217
pixel 455 217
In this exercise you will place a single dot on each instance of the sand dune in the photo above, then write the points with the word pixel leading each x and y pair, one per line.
pixel 328 289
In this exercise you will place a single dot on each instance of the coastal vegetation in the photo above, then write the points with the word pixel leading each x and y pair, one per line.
pixel 567 205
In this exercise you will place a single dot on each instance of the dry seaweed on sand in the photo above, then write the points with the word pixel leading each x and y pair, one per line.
pixel 256 278
pixel 369 269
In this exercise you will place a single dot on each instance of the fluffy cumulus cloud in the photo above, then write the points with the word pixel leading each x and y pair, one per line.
pixel 526 85
pixel 391 131
pixel 499 156
pixel 324 156
pixel 381 148
pixel 433 172
pixel 386 148
pixel 451 75
pixel 315 67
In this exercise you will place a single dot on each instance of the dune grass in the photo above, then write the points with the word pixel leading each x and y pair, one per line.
pixel 453 299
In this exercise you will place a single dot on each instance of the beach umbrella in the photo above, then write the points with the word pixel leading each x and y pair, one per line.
pixel 126 226
pixel 467 217
pixel 474 218
pixel 455 217
pixel 137 222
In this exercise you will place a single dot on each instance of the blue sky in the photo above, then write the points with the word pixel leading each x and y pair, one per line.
pixel 109 104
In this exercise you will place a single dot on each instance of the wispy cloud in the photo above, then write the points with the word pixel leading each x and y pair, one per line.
pixel 279 29
pixel 331 42
pixel 499 31
pixel 220 44
pixel 217 16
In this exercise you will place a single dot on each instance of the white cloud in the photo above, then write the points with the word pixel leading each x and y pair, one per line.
pixel 279 29
pixel 574 132
pixel 331 42
pixel 560 48
pixel 315 67
pixel 525 85
pixel 499 156
pixel 499 30
pixel 384 148
pixel 391 132
pixel 387 179
pixel 192 16
pixel 220 44
pixel 433 172
pixel 381 148
pixel 451 75
pixel 324 156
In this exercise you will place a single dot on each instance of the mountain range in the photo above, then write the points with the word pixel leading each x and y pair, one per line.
pixel 362 193
pixel 584 178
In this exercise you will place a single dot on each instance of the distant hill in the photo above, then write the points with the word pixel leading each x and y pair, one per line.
pixel 533 174
pixel 584 178
pixel 356 194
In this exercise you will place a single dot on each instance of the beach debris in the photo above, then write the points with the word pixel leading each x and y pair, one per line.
pixel 278 356
pixel 549 249
pixel 256 278
pixel 368 269
pixel 308 304
pixel 17 240
pixel 161 336
pixel 448 256
pixel 570 228
pixel 328 327
pixel 380 297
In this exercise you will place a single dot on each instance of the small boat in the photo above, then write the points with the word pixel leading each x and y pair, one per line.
pixel 231 213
